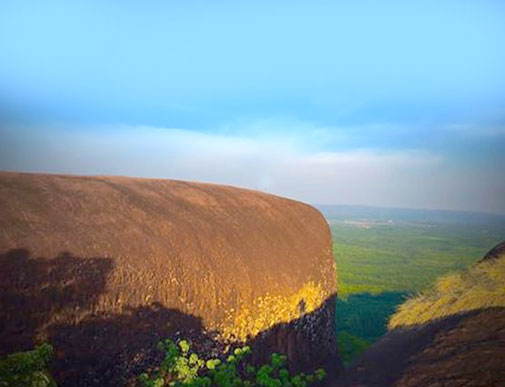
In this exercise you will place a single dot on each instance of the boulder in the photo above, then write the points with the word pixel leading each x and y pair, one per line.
pixel 104 267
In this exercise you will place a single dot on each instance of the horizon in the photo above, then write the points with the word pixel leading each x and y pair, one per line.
pixel 388 105
pixel 315 205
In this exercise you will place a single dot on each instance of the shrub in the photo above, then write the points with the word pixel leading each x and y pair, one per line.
pixel 350 347
pixel 27 369
pixel 181 367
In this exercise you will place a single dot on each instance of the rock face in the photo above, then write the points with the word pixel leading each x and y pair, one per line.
pixel 103 267
pixel 497 252
pixel 461 350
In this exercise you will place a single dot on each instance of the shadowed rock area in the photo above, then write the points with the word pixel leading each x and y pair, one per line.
pixel 465 348
pixel 497 252
pixel 104 267
pixel 460 350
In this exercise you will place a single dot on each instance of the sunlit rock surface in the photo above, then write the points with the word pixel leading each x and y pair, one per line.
pixel 103 267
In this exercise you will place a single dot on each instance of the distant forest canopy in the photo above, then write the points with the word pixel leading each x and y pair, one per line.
pixel 384 255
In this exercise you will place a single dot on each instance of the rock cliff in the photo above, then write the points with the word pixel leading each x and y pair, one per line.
pixel 103 267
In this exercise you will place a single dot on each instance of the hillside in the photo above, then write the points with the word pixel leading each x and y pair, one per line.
pixel 103 267
pixel 384 255
pixel 452 334
pixel 480 287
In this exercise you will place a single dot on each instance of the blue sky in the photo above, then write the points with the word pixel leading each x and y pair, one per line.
pixel 387 103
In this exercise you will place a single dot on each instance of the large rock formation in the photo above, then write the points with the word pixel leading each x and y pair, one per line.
pixel 103 267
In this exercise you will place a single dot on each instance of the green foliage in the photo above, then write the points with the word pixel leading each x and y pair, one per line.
pixel 27 369
pixel 350 347
pixel 378 267
pixel 181 367
pixel 366 315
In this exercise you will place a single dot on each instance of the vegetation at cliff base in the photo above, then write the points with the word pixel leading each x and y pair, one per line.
pixel 182 367
pixel 362 319
pixel 27 369
pixel 350 346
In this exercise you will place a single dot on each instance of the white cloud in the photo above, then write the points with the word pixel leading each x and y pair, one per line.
pixel 400 178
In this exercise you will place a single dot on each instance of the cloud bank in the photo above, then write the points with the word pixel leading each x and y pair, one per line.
pixel 293 166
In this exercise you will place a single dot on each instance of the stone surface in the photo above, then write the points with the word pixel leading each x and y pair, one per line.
pixel 497 252
pixel 105 266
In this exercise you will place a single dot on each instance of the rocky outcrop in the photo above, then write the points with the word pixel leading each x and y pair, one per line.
pixel 461 344
pixel 460 350
pixel 496 252
pixel 103 267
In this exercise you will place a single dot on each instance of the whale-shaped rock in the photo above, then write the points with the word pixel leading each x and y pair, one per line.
pixel 104 267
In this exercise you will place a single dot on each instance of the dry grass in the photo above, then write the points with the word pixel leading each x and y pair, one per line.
pixel 481 286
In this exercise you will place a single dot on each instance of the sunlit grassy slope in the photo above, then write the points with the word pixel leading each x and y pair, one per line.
pixel 481 286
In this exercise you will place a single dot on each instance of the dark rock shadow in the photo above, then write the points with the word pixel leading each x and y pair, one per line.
pixel 112 349
pixel 55 300
pixel 31 289
pixel 462 349
pixel 309 341
pixel 495 253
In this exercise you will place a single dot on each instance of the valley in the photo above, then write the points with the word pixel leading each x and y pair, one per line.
pixel 386 255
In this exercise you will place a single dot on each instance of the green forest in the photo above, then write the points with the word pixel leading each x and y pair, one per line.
pixel 383 257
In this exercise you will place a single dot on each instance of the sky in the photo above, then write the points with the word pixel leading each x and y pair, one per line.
pixel 390 103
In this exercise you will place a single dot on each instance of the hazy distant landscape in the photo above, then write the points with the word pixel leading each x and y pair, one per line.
pixel 384 255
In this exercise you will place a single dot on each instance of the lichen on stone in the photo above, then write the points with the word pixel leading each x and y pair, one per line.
pixel 269 310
